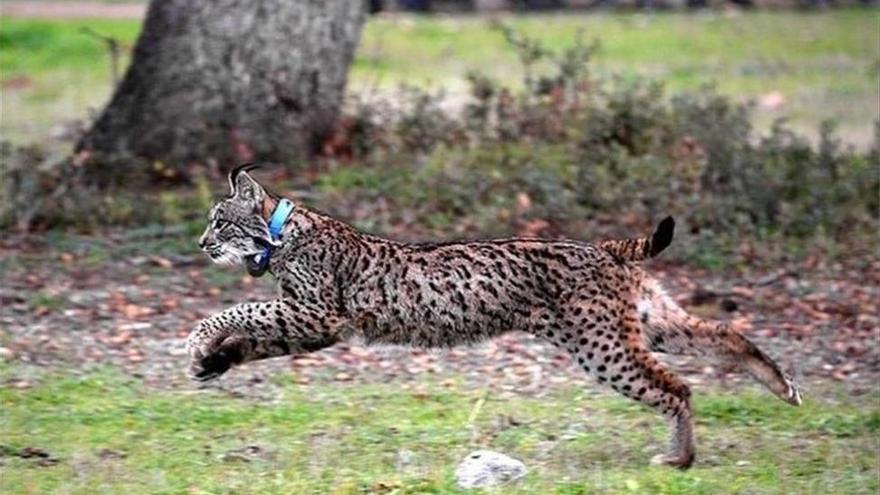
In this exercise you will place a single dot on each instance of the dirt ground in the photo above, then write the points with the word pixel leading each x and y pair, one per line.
pixel 77 304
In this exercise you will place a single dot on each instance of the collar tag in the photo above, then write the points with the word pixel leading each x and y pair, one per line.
pixel 282 211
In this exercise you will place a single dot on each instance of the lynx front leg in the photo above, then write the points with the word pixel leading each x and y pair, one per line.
pixel 253 331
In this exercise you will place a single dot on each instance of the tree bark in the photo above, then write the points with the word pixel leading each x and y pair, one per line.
pixel 231 80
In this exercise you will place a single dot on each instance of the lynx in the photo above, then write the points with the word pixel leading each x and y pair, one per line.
pixel 335 283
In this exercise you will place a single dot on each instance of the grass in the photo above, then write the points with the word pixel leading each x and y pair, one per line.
pixel 53 73
pixel 825 64
pixel 113 435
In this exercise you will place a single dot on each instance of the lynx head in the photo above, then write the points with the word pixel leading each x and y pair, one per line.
pixel 236 230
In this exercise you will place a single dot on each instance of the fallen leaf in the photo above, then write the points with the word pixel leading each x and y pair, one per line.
pixel 132 311
pixel 162 262
pixel 523 203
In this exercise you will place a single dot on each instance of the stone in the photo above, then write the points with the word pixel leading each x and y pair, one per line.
pixel 484 468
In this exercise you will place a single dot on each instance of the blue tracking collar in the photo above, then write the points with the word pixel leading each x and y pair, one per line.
pixel 276 222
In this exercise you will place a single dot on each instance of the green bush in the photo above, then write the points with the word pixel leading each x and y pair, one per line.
pixel 41 187
pixel 564 147
pixel 577 145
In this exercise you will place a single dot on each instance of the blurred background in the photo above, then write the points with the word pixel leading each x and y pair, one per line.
pixel 755 123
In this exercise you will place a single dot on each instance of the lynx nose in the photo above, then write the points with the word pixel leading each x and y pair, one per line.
pixel 203 240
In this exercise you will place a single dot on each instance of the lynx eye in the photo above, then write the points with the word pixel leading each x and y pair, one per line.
pixel 220 225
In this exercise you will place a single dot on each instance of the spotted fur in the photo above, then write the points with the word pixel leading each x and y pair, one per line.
pixel 335 283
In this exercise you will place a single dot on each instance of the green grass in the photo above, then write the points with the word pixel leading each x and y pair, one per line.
pixel 51 72
pixel 113 435
pixel 826 64
pixel 681 48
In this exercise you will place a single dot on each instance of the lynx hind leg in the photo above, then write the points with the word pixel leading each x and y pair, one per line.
pixel 620 358
pixel 670 329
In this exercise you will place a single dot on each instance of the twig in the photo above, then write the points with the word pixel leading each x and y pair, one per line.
pixel 112 47
pixel 769 279
pixel 712 293
pixel 475 412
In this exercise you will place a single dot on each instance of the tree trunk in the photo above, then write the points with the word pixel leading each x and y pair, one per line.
pixel 231 80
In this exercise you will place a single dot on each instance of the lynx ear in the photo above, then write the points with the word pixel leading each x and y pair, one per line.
pixel 244 186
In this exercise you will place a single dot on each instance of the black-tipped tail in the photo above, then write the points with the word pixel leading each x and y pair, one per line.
pixel 644 247
pixel 662 237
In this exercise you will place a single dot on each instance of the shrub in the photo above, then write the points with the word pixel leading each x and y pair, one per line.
pixel 577 145
pixel 561 147
pixel 43 188
pixel 37 187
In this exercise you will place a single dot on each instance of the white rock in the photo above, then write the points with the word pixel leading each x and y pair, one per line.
pixel 483 468
pixel 405 459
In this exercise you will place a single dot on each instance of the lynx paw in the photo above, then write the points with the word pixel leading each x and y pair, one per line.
pixel 677 460
pixel 793 396
pixel 204 368
pixel 210 358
